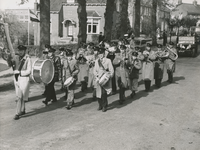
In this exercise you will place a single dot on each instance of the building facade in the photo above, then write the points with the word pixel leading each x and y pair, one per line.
pixel 64 26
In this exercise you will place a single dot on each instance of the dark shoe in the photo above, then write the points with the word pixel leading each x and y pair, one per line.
pixel 16 117
pixel 99 108
pixel 68 107
pixel 120 102
pixel 104 109
pixel 22 113
pixel 53 101
pixel 132 94
pixel 45 102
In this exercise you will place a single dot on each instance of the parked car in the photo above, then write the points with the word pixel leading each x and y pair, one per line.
pixel 197 34
pixel 187 45
pixel 141 42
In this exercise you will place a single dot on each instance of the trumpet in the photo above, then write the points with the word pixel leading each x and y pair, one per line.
pixel 172 55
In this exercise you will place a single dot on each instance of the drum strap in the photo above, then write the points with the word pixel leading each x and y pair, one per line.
pixel 20 68
pixel 69 67
pixel 101 65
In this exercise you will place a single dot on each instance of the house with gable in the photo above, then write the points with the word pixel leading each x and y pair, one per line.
pixel 64 23
pixel 186 9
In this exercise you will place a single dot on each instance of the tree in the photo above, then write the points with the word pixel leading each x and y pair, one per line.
pixel 110 7
pixel 82 16
pixel 44 24
pixel 137 18
pixel 122 24
pixel 153 22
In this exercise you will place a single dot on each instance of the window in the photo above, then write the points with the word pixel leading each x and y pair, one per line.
pixel 93 26
pixel 26 17
pixel 21 17
pixel 70 29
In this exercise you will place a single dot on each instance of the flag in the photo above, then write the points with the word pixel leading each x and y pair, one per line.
pixel 33 16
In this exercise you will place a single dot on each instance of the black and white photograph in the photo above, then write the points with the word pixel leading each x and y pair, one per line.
pixel 100 74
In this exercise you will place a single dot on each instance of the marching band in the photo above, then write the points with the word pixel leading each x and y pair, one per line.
pixel 104 68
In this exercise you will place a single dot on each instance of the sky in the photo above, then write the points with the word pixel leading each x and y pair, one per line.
pixel 13 4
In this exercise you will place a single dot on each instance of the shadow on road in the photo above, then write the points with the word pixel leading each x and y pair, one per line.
pixel 50 107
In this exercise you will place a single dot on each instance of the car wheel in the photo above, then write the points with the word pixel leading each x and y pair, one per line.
pixel 193 53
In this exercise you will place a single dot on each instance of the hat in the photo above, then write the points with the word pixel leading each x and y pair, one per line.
pixel 61 49
pixel 96 48
pixel 171 43
pixel 148 45
pixel 52 50
pixel 134 53
pixel 22 47
pixel 69 52
pixel 101 50
pixel 137 48
pixel 122 47
pixel 47 46
pixel 117 50
pixel 159 45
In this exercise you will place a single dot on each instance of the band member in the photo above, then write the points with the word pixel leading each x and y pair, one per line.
pixel 159 65
pixel 22 69
pixel 134 66
pixel 50 90
pixel 62 57
pixel 84 68
pixel 44 57
pixel 103 66
pixel 91 63
pixel 171 61
pixel 121 72
pixel 148 66
pixel 70 69
pixel 111 56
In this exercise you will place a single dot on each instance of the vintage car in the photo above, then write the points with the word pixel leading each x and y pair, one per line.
pixel 141 42
pixel 187 45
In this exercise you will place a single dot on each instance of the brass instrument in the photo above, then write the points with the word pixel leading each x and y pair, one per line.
pixel 172 55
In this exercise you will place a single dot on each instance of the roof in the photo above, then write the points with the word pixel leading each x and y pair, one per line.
pixel 191 9
pixel 92 13
pixel 55 5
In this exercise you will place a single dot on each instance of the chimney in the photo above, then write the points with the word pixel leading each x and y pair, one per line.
pixel 179 2
pixel 195 2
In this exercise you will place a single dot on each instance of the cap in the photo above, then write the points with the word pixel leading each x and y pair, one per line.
pixel 123 47
pixel 159 45
pixel 137 48
pixel 171 43
pixel 22 47
pixel 117 50
pixel 61 49
pixel 47 46
pixel 96 48
pixel 52 50
pixel 101 50
pixel 69 52
pixel 148 45
pixel 134 53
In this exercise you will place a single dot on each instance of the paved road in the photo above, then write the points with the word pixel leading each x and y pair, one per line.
pixel 162 119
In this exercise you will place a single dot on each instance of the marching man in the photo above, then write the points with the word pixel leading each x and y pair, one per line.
pixel 22 70
pixel 70 69
pixel 103 66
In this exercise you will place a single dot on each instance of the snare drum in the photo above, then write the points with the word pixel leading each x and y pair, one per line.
pixel 104 79
pixel 43 71
pixel 69 81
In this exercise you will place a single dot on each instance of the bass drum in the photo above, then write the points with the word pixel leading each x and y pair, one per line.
pixel 43 71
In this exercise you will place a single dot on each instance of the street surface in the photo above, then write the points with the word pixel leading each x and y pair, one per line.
pixel 162 119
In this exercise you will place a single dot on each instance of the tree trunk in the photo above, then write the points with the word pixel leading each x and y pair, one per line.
pixel 153 22
pixel 137 18
pixel 110 7
pixel 122 22
pixel 82 16
pixel 44 24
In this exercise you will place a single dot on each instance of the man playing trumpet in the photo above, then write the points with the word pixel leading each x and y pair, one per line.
pixel 171 61
pixel 159 65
